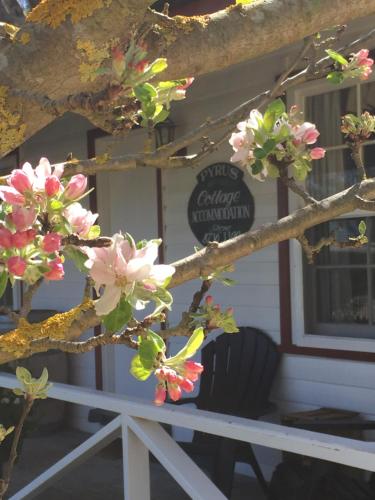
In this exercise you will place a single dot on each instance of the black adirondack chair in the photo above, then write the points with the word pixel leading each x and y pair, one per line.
pixel 239 370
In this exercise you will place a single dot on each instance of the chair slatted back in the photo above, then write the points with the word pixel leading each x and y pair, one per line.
pixel 239 372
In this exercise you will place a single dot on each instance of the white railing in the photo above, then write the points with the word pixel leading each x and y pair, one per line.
pixel 138 424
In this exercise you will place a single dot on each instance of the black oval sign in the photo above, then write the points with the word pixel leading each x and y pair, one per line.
pixel 221 205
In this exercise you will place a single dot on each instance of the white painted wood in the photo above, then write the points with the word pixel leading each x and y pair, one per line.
pixel 181 467
pixel 332 448
pixel 76 457
pixel 136 465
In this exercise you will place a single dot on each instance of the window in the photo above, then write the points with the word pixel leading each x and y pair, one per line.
pixel 333 300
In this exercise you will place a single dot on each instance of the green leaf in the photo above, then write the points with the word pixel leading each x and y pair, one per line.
pixel 227 281
pixel 269 145
pixel 138 370
pixel 191 347
pixel 158 66
pixel 145 92
pixel 362 228
pixel 157 340
pixel 149 348
pixel 161 117
pixel 118 318
pixel 335 77
pixel 257 167
pixel 79 258
pixel 273 113
pixel 259 153
pixel 337 57
pixel 163 299
pixel 94 232
pixel 3 282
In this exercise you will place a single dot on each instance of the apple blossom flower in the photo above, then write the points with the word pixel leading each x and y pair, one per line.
pixel 16 265
pixel 51 242
pixel 43 171
pixel 56 271
pixel 364 63
pixel 20 181
pixel 120 267
pixel 317 153
pixel 80 219
pixel 20 239
pixel 306 133
pixel 11 195
pixel 76 187
pixel 22 217
pixel 5 237
pixel 160 394
pixel 52 185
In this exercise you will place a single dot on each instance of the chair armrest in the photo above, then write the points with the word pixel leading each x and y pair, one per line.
pixel 184 401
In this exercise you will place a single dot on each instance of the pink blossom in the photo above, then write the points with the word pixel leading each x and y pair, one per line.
pixel 174 392
pixel 20 239
pixel 11 195
pixel 186 385
pixel 52 185
pixel 306 133
pixel 51 242
pixel 20 181
pixel 43 171
pixel 120 267
pixel 5 238
pixel 192 366
pixel 362 55
pixel 22 217
pixel 187 84
pixel 209 300
pixel 56 271
pixel 160 394
pixel 80 219
pixel 76 187
pixel 317 153
pixel 16 265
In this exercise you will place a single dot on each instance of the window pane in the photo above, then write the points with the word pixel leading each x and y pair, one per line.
pixel 368 97
pixel 333 173
pixel 343 229
pixel 342 296
pixel 326 110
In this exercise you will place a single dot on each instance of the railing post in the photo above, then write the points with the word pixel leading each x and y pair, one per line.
pixel 136 465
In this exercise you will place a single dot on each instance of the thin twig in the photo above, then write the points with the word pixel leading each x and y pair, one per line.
pixel 5 481
pixel 28 297
pixel 312 250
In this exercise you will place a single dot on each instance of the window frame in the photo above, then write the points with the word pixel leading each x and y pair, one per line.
pixel 294 338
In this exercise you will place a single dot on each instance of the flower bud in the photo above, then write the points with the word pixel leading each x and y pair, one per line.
pixel 186 385
pixel 52 185
pixel 5 237
pixel 56 271
pixel 76 187
pixel 16 265
pixel 317 153
pixel 174 392
pixel 192 366
pixel 22 238
pixel 51 242
pixel 160 395
pixel 20 181
pixel 22 217
pixel 209 300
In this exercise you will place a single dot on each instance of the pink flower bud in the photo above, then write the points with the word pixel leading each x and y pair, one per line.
pixel 229 311
pixel 51 242
pixel 11 195
pixel 52 185
pixel 317 153
pixel 161 374
pixel 186 385
pixel 217 308
pixel 160 395
pixel 172 377
pixel 5 238
pixel 20 181
pixel 76 187
pixel 22 238
pixel 56 272
pixel 192 366
pixel 187 84
pixel 209 300
pixel 16 265
pixel 361 55
pixel 174 392
pixel 22 217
